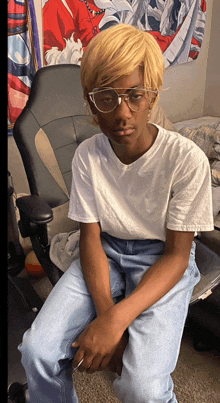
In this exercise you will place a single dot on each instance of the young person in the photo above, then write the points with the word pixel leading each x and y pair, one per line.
pixel 140 193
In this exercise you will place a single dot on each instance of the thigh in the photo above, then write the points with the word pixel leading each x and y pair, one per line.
pixel 66 312
pixel 69 308
pixel 154 343
pixel 155 335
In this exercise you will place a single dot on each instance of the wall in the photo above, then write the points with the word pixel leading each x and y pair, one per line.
pixel 212 87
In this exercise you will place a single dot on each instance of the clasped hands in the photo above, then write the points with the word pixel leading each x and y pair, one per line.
pixel 102 343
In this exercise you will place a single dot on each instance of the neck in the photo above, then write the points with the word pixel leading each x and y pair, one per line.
pixel 132 150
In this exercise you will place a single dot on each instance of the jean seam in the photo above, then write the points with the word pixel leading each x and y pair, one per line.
pixel 91 317
pixel 194 268
pixel 61 385
pixel 72 341
pixel 113 289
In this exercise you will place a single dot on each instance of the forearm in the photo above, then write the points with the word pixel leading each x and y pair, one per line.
pixel 157 281
pixel 96 272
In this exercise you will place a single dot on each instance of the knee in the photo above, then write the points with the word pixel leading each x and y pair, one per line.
pixel 31 346
pixel 144 390
pixel 35 350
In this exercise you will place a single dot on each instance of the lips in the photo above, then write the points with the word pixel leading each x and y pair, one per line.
pixel 124 131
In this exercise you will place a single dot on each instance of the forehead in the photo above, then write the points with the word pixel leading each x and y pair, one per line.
pixel 134 79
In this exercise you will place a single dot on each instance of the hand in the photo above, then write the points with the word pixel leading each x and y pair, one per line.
pixel 115 364
pixel 97 344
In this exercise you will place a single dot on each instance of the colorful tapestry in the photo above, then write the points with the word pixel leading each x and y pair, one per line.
pixel 23 56
pixel 69 25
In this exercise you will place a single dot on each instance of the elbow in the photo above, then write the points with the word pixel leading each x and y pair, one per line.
pixel 179 262
pixel 90 236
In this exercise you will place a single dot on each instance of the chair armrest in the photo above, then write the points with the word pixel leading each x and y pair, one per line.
pixel 35 213
pixel 35 208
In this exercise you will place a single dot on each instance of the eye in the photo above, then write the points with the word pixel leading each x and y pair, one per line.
pixel 107 98
pixel 136 95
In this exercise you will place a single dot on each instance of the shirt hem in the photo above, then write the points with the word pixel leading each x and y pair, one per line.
pixel 193 228
pixel 83 219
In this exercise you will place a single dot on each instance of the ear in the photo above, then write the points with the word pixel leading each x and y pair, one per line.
pixel 92 106
pixel 153 100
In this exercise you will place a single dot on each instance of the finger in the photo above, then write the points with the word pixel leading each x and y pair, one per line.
pixel 78 357
pixel 74 369
pixel 78 341
pixel 87 360
pixel 76 344
pixel 112 365
pixel 105 362
pixel 77 363
pixel 85 365
pixel 94 364
pixel 119 366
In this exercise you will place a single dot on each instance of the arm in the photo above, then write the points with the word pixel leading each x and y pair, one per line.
pixel 158 280
pixel 95 266
pixel 96 273
pixel 100 340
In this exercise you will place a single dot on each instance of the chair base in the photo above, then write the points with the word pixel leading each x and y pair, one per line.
pixel 17 393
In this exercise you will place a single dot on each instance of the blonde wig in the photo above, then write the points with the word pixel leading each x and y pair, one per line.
pixel 117 52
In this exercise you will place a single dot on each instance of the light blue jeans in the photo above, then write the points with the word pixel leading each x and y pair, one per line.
pixel 154 336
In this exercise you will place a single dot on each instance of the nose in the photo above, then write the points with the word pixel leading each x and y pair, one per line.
pixel 122 110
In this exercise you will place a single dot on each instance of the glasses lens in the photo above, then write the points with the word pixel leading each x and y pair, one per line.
pixel 138 99
pixel 105 100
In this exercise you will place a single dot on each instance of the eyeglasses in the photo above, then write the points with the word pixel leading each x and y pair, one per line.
pixel 107 99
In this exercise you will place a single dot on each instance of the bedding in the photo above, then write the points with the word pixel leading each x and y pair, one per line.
pixel 205 132
pixel 197 122
pixel 208 139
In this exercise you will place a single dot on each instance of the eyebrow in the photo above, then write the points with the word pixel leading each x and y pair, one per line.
pixel 130 88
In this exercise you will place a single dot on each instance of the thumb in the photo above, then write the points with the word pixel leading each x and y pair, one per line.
pixel 76 343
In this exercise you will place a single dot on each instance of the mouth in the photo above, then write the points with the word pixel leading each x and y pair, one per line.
pixel 123 131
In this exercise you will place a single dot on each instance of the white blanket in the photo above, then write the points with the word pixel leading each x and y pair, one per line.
pixel 64 249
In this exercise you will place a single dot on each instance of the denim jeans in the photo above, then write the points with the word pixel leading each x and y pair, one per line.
pixel 154 336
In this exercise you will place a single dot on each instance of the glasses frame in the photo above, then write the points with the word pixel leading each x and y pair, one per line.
pixel 126 96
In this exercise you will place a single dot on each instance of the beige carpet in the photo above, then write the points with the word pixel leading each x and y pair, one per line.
pixel 196 378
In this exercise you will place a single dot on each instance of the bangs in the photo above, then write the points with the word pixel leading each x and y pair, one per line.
pixel 117 52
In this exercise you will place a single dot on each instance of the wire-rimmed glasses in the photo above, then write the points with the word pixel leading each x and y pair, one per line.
pixel 107 99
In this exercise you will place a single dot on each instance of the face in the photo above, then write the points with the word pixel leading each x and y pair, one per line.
pixel 122 125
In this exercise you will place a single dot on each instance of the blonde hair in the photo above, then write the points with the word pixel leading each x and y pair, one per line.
pixel 118 51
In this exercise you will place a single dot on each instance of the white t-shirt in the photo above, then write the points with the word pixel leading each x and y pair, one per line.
pixel 167 187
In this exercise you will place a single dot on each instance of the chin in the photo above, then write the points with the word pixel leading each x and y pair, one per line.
pixel 119 139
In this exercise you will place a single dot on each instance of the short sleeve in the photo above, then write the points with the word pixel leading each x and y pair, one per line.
pixel 190 206
pixel 82 206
